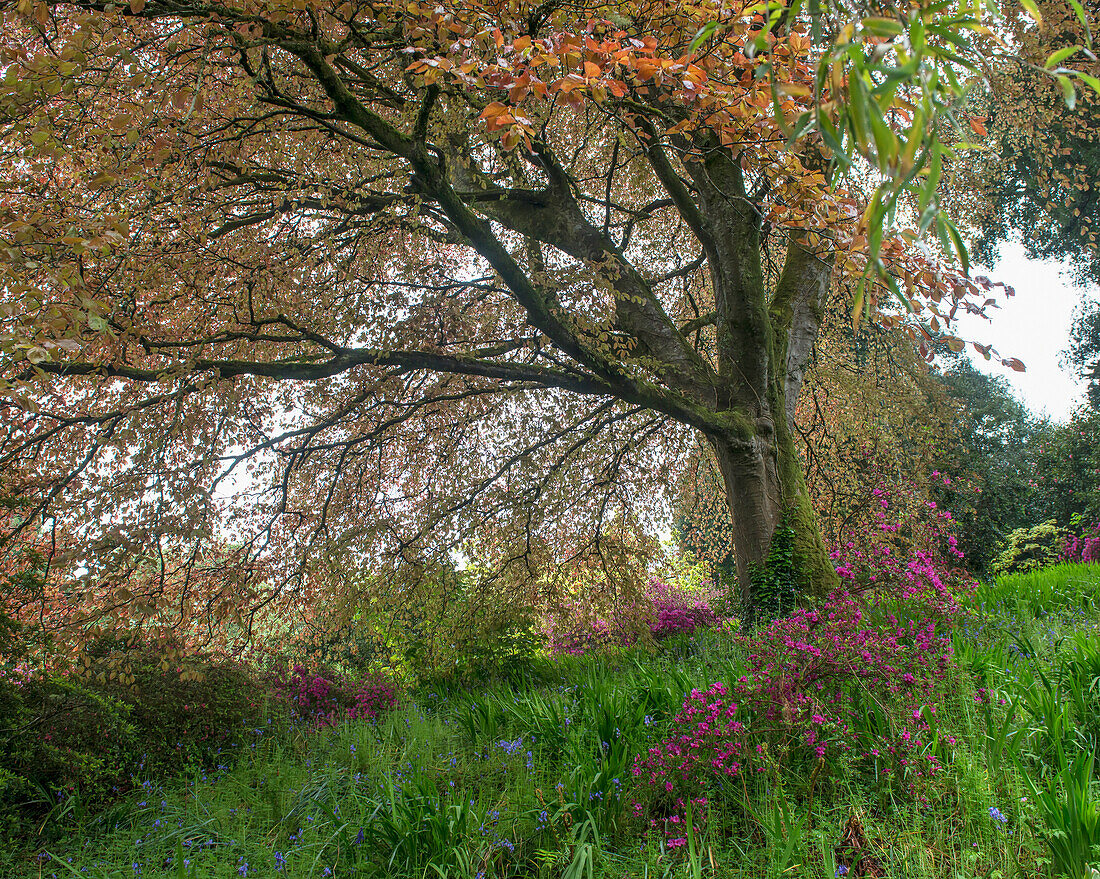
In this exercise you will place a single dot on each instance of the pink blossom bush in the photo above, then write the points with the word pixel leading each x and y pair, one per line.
pixel 678 611
pixel 857 680
pixel 1083 548
pixel 663 609
pixel 322 699
pixel 803 700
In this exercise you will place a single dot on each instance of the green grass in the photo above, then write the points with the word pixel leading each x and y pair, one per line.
pixel 536 781
pixel 1066 587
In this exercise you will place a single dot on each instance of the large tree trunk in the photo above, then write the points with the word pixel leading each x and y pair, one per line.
pixel 765 488
pixel 770 345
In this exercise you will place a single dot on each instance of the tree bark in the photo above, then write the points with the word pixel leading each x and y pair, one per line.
pixel 765 487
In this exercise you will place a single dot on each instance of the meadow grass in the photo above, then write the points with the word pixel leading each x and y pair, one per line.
pixel 535 779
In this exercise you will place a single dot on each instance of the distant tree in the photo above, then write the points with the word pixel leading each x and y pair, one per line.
pixel 990 458
pixel 1067 470
pixel 1083 353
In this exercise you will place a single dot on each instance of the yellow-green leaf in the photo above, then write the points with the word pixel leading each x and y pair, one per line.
pixel 1061 55
pixel 1032 10
pixel 882 27
pixel 1069 91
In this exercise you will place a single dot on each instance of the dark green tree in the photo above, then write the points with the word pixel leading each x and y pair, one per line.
pixel 991 461
pixel 1083 353
pixel 1067 469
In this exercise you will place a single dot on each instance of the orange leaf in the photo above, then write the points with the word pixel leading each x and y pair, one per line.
pixel 591 70
pixel 493 110
pixel 979 126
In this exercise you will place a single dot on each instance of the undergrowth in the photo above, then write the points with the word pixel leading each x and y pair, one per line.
pixel 539 779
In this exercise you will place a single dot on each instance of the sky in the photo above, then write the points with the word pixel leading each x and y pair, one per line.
pixel 1034 326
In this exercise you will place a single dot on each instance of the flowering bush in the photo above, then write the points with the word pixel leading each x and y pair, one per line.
pixel 1082 548
pixel 813 677
pixel 662 609
pixel 324 698
pixel 677 613
pixel 857 679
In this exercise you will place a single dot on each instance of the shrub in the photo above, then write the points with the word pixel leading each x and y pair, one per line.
pixel 188 711
pixel 81 740
pixel 675 613
pixel 811 680
pixel 855 682
pixel 442 627
pixel 1083 547
pixel 59 738
pixel 1029 549
pixel 663 609
pixel 322 697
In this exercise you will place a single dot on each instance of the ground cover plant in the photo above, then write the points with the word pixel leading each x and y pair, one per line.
pixel 921 730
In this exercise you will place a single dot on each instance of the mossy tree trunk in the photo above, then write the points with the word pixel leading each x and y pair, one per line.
pixel 765 339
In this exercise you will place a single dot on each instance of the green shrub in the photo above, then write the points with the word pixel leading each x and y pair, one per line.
pixel 442 628
pixel 60 739
pixel 72 743
pixel 1029 549
pixel 187 714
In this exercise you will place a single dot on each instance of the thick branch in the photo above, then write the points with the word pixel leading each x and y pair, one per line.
pixel 797 310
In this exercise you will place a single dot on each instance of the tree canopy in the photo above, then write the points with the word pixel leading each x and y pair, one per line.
pixel 315 286
pixel 1036 177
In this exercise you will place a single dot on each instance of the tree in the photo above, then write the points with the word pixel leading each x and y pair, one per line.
pixel 422 274
pixel 1067 469
pixel 991 457
pixel 1083 353
pixel 1037 176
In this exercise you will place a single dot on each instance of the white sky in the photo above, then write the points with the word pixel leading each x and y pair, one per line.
pixel 1034 326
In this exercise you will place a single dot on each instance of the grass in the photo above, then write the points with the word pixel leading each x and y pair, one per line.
pixel 535 780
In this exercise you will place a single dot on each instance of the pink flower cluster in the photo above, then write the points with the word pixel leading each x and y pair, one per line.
pixel 663 609
pixel 323 700
pixel 677 612
pixel 803 699
pixel 858 678
pixel 371 699
pixel 1085 548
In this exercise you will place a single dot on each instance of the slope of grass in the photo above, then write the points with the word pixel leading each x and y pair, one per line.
pixel 536 780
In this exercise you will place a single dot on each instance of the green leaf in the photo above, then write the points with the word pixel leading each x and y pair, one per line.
pixel 832 141
pixel 916 36
pixel 942 233
pixel 803 125
pixel 960 247
pixel 1091 81
pixel 858 100
pixel 932 181
pixel 892 283
pixel 947 32
pixel 1084 19
pixel 882 27
pixel 886 142
pixel 1061 55
pixel 953 58
pixel 704 33
pixel 1069 92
